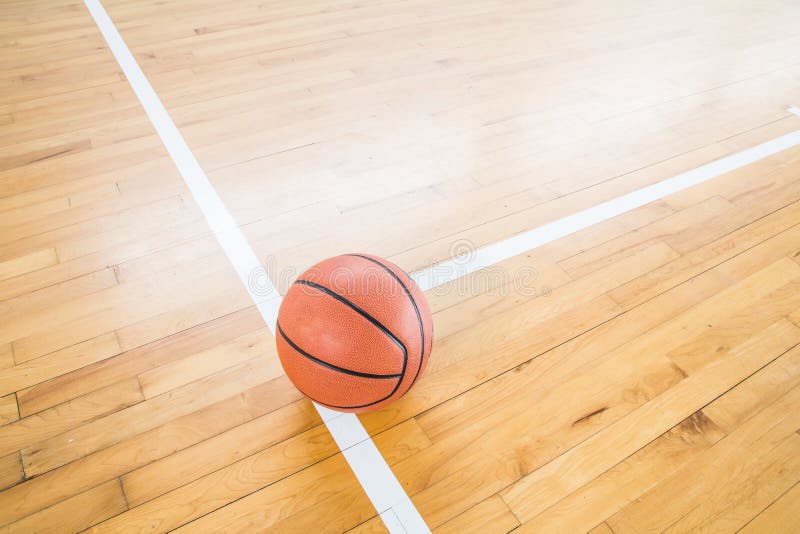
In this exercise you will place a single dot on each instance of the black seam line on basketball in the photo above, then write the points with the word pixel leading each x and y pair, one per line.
pixel 327 364
pixel 352 407
pixel 347 407
pixel 375 322
pixel 413 303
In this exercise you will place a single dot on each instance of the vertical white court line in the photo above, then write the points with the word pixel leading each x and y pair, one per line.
pixel 447 271
pixel 381 486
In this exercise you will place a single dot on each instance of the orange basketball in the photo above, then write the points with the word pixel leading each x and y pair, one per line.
pixel 354 333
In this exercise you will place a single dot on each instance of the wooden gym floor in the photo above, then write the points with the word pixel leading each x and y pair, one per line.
pixel 651 384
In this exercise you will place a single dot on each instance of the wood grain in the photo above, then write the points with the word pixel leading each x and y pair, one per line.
pixel 53 421
pixel 75 513
pixel 491 515
pixel 9 411
pixel 11 471
pixel 34 261
pixel 780 516
pixel 139 386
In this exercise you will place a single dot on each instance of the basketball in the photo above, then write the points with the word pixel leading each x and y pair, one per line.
pixel 354 333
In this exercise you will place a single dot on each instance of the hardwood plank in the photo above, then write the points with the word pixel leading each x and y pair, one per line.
pixel 529 384
pixel 234 482
pixel 400 443
pixel 748 207
pixel 728 331
pixel 795 317
pixel 778 229
pixel 94 262
pixel 87 378
pixel 171 472
pixel 94 187
pixel 68 213
pixel 771 476
pixel 313 496
pixel 602 528
pixel 73 101
pixel 741 189
pixel 626 481
pixel 523 276
pixel 77 287
pixel 491 515
pixel 756 393
pixel 161 213
pixel 137 451
pixel 48 423
pixel 13 217
pixel 26 263
pixel 740 183
pixel 105 192
pixel 730 500
pixel 84 112
pixel 83 230
pixel 79 231
pixel 535 492
pixel 782 515
pixel 91 107
pixel 11 472
pixel 173 375
pixel 12 160
pixel 469 312
pixel 372 526
pixel 76 513
pixel 57 451
pixel 225 301
pixel 56 364
pixel 6 356
pixel 120 157
pixel 661 230
pixel 92 315
pixel 170 257
pixel 8 410
pixel 334 514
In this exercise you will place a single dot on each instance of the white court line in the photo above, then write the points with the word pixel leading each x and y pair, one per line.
pixel 381 486
pixel 794 110
pixel 447 271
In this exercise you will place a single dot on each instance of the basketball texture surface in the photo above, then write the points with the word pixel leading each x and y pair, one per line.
pixel 354 333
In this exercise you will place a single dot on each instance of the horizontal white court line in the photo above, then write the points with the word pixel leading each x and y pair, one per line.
pixel 373 473
pixel 794 110
pixel 447 271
